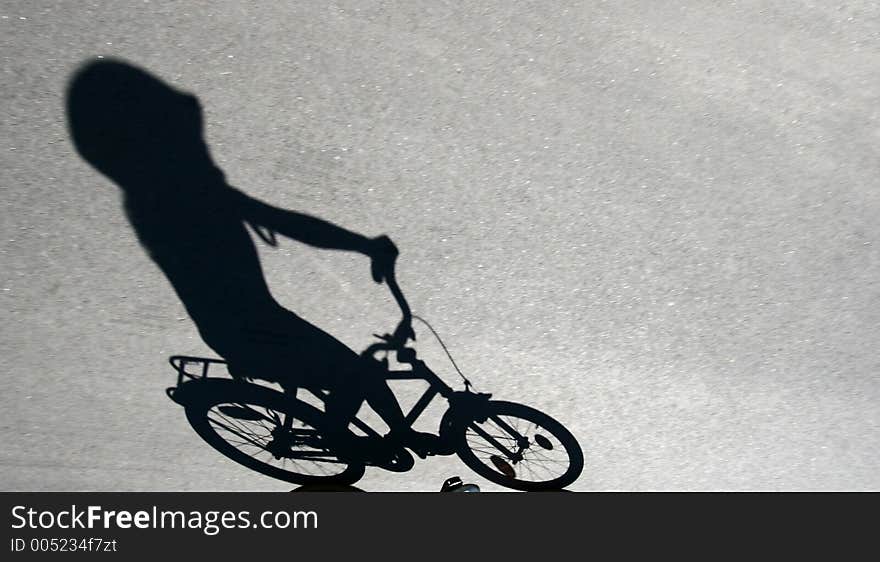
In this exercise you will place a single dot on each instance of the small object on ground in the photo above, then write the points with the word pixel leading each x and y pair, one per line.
pixel 455 484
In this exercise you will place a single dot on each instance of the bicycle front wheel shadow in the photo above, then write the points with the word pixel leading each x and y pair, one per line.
pixel 268 432
pixel 520 448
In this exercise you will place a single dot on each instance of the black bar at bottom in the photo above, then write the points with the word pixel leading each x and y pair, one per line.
pixel 344 526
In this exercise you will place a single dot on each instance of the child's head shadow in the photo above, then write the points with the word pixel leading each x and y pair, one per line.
pixel 136 129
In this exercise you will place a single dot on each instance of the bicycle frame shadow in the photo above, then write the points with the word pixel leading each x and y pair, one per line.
pixel 148 138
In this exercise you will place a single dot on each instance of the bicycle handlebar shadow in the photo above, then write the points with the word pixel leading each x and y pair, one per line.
pixel 148 138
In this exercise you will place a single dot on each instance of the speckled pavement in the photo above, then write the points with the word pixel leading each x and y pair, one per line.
pixel 657 223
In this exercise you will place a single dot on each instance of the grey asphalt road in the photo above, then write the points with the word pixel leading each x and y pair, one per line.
pixel 655 221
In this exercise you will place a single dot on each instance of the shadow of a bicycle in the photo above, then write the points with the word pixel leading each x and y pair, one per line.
pixel 273 432
pixel 148 138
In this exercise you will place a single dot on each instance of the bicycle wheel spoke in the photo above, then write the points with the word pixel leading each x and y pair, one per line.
pixel 259 426
pixel 506 427
pixel 241 425
pixel 483 442
pixel 238 423
pixel 491 439
pixel 250 408
pixel 544 458
pixel 485 447
pixel 243 443
pixel 245 437
pixel 509 437
pixel 529 468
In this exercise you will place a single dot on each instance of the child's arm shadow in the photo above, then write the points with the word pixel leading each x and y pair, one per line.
pixel 267 220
